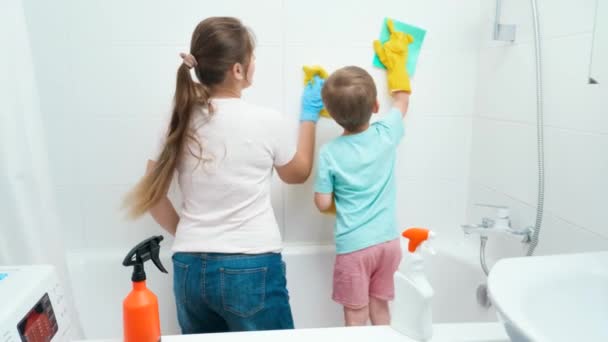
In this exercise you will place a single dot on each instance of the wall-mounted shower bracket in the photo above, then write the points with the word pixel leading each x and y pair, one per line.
pixel 503 32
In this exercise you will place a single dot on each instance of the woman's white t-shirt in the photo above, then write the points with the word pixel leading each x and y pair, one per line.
pixel 226 197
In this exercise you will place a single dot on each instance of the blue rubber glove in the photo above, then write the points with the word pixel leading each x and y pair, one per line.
pixel 312 103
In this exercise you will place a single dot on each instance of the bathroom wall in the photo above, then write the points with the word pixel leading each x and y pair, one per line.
pixel 504 161
pixel 106 74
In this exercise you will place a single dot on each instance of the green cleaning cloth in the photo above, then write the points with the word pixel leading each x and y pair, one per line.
pixel 414 48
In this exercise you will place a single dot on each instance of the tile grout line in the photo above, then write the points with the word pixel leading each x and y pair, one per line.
pixel 530 123
pixel 528 42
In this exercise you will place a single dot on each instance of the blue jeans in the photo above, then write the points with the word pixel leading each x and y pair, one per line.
pixel 230 292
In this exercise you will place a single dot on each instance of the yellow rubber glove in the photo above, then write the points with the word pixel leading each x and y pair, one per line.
pixel 309 73
pixel 393 54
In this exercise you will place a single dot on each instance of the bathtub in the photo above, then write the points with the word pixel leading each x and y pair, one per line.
pixel 100 282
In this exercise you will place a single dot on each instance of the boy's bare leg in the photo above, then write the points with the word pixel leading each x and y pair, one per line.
pixel 356 317
pixel 379 312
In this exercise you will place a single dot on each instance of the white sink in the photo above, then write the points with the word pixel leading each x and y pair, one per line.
pixel 552 298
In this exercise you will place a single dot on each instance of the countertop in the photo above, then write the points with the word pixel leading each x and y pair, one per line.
pixel 456 332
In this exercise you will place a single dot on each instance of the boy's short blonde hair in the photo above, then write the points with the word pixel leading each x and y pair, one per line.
pixel 349 95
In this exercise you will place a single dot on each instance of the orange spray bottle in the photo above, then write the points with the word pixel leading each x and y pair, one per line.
pixel 141 322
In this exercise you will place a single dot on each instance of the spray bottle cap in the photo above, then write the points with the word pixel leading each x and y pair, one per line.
pixel 417 238
pixel 148 249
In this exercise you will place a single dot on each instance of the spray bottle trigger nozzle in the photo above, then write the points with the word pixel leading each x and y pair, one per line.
pixel 148 249
pixel 419 239
pixel 156 261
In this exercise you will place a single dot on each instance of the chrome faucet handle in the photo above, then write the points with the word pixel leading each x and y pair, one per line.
pixel 525 233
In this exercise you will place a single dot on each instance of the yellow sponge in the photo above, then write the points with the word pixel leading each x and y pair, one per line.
pixel 309 73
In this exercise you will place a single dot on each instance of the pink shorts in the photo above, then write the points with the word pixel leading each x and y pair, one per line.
pixel 366 273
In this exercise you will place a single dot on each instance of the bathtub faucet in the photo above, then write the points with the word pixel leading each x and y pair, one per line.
pixel 500 224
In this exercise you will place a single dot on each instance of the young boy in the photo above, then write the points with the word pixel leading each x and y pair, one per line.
pixel 356 174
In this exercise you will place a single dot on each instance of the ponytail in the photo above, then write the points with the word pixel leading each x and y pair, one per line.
pixel 155 184
pixel 217 44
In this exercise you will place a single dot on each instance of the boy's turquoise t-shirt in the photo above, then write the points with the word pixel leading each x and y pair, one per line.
pixel 359 170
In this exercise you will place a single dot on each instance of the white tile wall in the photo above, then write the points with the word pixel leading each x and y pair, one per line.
pixel 571 102
pixel 507 88
pixel 444 82
pixel 115 151
pixel 105 223
pixel 122 81
pixel 560 236
pixel 49 43
pixel 70 211
pixel 62 135
pixel 436 147
pixel 159 22
pixel 505 157
pixel 450 25
pixel 577 165
pixel 433 203
pixel 108 86
pixel 503 160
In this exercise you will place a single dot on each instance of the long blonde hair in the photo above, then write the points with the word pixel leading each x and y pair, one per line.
pixel 217 44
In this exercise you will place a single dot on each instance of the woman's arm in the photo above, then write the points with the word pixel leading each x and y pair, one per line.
pixel 163 212
pixel 298 169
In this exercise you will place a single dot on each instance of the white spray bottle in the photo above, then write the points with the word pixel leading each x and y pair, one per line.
pixel 411 309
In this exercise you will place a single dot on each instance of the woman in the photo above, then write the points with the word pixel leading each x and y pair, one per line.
pixel 228 270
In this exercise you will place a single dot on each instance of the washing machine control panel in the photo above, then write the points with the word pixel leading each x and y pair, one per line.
pixel 33 305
